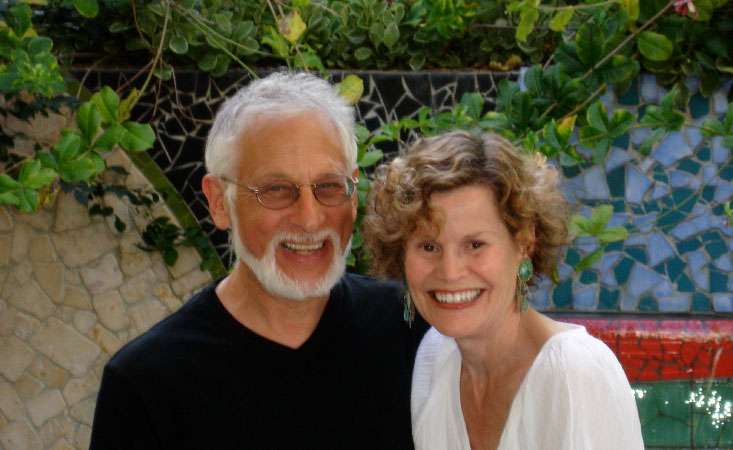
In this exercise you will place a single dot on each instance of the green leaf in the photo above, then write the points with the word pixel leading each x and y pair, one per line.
pixel 621 122
pixel 278 43
pixel 527 19
pixel 7 183
pixel 599 217
pixel 208 62
pixel 712 127
pixel 580 226
pixel 292 27
pixel 473 102
pixel 650 141
pixel 178 44
pixel 170 256
pixel 619 69
pixel 654 46
pixel 88 120
pixel 69 146
pixel 28 169
pixel 370 158
pixel 589 260
pixel 561 19
pixel 139 137
pixel 110 137
pixel 39 45
pixel 108 104
pixel 9 198
pixel 351 88
pixel 589 43
pixel 391 35
pixel 27 200
pixel 362 53
pixel 19 19
pixel 597 116
pixel 631 7
pixel 613 234
pixel 38 177
pixel 87 8
pixel 126 105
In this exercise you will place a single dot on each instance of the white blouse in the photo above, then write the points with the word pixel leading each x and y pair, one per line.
pixel 575 396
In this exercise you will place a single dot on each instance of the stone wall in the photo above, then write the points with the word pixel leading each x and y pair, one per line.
pixel 72 292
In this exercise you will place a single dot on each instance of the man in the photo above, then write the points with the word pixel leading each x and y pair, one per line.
pixel 286 352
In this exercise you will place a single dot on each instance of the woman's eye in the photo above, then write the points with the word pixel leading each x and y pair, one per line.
pixel 476 244
pixel 428 247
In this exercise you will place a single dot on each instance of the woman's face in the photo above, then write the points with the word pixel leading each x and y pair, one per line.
pixel 463 279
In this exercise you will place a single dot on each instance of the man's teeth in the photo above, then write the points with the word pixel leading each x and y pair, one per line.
pixel 457 297
pixel 303 247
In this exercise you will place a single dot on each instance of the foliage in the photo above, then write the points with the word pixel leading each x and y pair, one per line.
pixel 163 236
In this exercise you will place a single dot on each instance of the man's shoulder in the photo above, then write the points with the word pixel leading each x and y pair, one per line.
pixel 173 332
pixel 362 286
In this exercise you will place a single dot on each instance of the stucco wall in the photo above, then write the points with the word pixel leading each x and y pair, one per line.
pixel 72 292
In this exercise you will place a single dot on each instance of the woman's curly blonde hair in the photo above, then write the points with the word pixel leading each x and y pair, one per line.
pixel 525 187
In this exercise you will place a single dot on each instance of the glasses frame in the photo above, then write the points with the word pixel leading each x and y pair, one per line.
pixel 258 190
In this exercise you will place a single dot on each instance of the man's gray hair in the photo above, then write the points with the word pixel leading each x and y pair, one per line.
pixel 279 93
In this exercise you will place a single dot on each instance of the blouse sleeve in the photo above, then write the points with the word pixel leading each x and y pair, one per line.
pixel 578 398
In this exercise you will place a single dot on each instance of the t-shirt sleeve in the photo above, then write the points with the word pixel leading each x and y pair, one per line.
pixel 120 418
pixel 579 399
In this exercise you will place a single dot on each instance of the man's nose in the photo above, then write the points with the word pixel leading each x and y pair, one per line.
pixel 308 212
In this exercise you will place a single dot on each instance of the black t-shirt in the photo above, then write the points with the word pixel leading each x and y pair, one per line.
pixel 201 380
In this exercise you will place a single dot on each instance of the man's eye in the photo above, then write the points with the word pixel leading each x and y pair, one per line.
pixel 276 188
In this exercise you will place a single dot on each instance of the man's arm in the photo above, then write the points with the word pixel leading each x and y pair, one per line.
pixel 121 420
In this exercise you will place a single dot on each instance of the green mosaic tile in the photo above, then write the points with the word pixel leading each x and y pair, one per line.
pixel 562 296
pixel 667 201
pixel 638 210
pixel 660 174
pixel 638 253
pixel 572 257
pixel 704 154
pixel 712 235
pixel 712 424
pixel 623 269
pixel 684 284
pixel 648 304
pixel 666 431
pixel 718 281
pixel 685 199
pixel 716 249
pixel 670 218
pixel 726 173
pixel 718 210
pixel 617 181
pixel 689 165
pixel 661 268
pixel 608 299
pixel 613 246
pixel 708 435
pixel 688 245
pixel 622 141
pixel 708 193
pixel 650 206
pixel 664 413
pixel 675 266
pixel 588 277
pixel 619 206
pixel 701 303
pixel 630 96
pixel 699 106
pixel 571 171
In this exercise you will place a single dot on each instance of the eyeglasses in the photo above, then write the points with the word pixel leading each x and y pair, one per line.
pixel 331 191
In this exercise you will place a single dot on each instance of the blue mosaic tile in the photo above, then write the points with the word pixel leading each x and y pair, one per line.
pixel 720 102
pixel 699 106
pixel 641 280
pixel 649 89
pixel 616 158
pixel 663 289
pixel 688 165
pixel 718 281
pixel 669 218
pixel 608 299
pixel 694 136
pixel 678 179
pixel 720 152
pixel 701 303
pixel 648 304
pixel 588 277
pixel 708 193
pixel 645 222
pixel 726 173
pixel 562 295
pixel 675 303
pixel 724 263
pixel 586 245
pixel 629 303
pixel 709 173
pixel 702 279
pixel 660 190
pixel 638 135
pixel 650 207
pixel 684 284
pixel 623 269
pixel 703 154
pixel 540 297
pixel 723 303
pixel 672 148
pixel 572 257
pixel 622 141
pixel 618 206
pixel 658 248
pixel 594 185
pixel 688 245
pixel 685 199
pixel 638 253
pixel 659 174
pixel 616 180
pixel 636 185
pixel 585 299
pixel 723 192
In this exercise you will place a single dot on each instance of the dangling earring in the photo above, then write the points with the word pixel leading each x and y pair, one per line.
pixel 524 273
pixel 408 312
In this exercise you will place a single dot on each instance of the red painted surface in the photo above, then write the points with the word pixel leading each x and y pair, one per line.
pixel 666 349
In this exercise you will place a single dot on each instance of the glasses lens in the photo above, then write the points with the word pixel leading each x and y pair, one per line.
pixel 334 191
pixel 278 195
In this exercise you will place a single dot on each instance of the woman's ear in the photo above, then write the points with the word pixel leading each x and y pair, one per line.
pixel 215 192
pixel 526 240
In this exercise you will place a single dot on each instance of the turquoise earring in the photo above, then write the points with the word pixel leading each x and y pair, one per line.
pixel 524 273
pixel 408 313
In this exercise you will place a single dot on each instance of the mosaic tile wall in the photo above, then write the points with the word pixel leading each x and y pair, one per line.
pixel 677 258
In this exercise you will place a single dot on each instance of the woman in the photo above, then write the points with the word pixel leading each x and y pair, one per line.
pixel 468 223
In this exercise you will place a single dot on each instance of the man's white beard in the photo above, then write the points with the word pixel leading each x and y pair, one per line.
pixel 278 283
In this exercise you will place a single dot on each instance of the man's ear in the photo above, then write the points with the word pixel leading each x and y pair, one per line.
pixel 214 190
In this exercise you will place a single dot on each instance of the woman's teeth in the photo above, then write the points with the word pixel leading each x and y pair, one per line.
pixel 457 297
pixel 303 247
